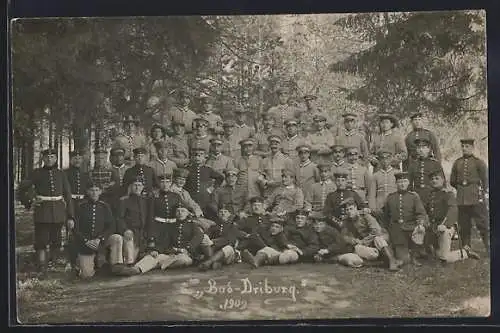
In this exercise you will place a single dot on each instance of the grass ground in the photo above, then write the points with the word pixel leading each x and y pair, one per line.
pixel 320 291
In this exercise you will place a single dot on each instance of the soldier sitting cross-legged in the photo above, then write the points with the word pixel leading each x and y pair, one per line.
pixel 301 234
pixel 366 235
pixel 176 245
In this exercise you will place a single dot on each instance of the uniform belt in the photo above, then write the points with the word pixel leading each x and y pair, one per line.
pixel 164 220
pixel 358 188
pixel 77 196
pixel 45 198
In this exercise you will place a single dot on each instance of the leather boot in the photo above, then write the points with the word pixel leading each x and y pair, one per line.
pixel 486 242
pixel 394 264
pixel 247 257
pixel 207 252
pixel 260 259
pixel 207 264
pixel 42 263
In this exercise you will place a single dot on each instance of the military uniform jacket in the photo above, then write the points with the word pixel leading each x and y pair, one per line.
pixel 285 198
pixel 321 140
pixel 134 214
pixel 262 143
pixel 440 205
pixel 392 141
pixel 249 167
pixel 304 238
pixel 227 195
pixel 418 174
pixel 469 175
pixel 359 178
pixel 199 181
pixel 422 134
pixel 339 166
pixel 219 162
pixel 251 223
pixel 403 209
pixel 50 182
pixel 333 200
pixel 231 146
pixel 315 197
pixel 306 174
pixel 243 131
pixel 186 199
pixel 162 167
pixel 77 180
pixel 282 112
pixel 129 143
pixel 198 141
pixel 183 115
pixel 178 151
pixel 332 240
pixel 182 235
pixel 353 138
pixel 289 145
pixel 365 228
pixel 145 172
pixel 151 148
pixel 93 220
pixel 117 176
pixel 272 166
pixel 223 234
pixel 214 120
pixel 383 183
pixel 278 242
pixel 103 177
pixel 162 206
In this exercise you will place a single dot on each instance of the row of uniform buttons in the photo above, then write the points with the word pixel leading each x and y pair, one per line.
pixel 51 181
pixel 401 220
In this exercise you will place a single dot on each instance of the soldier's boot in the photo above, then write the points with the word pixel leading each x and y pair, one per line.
pixel 217 260
pixel 207 251
pixel 486 241
pixel 42 263
pixel 260 259
pixel 470 253
pixel 247 257
pixel 207 264
pixel 394 264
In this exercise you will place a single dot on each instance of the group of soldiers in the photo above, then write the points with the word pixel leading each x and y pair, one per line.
pixel 211 192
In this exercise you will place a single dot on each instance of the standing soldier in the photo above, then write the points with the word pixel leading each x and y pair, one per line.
pixel 249 166
pixel 156 135
pixel 359 178
pixel 332 209
pixel 306 117
pixel 441 207
pixel 200 136
pixel 178 151
pixel 383 183
pixel 141 170
pixel 469 176
pixel 216 160
pixel 101 174
pixel 321 138
pixel 315 197
pixel 292 139
pixel 241 129
pixel 404 215
pixel 272 165
pixel 351 136
pixel 78 182
pixel 118 168
pixel 284 110
pixel 261 137
pixel 231 146
pixel 306 171
pixel 419 132
pixel 53 206
pixel 200 181
pixel 229 195
pixel 419 168
pixel 161 164
pixel 389 138
pixel 181 113
pixel 207 107
pixel 130 138
pixel 338 163
pixel 132 221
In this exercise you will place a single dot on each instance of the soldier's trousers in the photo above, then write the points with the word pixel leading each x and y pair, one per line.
pixel 86 262
pixel 481 217
pixel 402 243
pixel 163 261
pixel 442 242
pixel 279 257
pixel 122 251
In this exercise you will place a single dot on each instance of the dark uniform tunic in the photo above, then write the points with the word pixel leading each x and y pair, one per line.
pixel 469 175
pixel 223 233
pixel 418 174
pixel 134 215
pixel 116 191
pixel 162 216
pixel 233 197
pixel 103 177
pixel 251 225
pixel 441 208
pixel 401 212
pixel 49 216
pixel 421 133
pixel 143 171
pixel 184 234
pixel 332 240
pixel 93 220
pixel 332 203
pixel 198 183
pixel 305 239
pixel 278 242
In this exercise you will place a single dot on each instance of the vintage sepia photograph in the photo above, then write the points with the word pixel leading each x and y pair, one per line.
pixel 255 167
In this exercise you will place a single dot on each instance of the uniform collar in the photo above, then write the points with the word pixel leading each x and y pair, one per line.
pixel 339 163
pixel 289 187
pixel 54 167
pixel 328 181
pixel 162 162
pixel 292 137
pixel 118 166
pixel 386 171
pixel 306 163
pixel 389 132
pixel 240 126
pixel 349 132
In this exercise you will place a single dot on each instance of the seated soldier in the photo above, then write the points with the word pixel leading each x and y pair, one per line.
pixel 177 248
pixel 366 235
pixel 275 248
pixel 303 236
pixel 441 207
pixel 248 226
pixel 224 236
pixel 93 231
pixel 287 198
pixel 332 246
